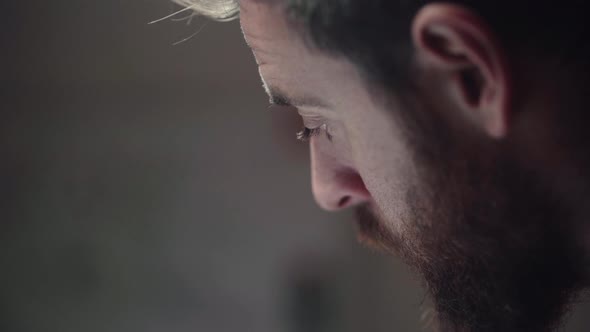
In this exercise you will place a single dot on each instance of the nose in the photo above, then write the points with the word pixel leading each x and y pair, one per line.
pixel 335 185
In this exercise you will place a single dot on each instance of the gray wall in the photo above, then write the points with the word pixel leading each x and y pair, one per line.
pixel 145 187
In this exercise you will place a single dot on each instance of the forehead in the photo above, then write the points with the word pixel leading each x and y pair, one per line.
pixel 285 61
pixel 266 28
pixel 273 41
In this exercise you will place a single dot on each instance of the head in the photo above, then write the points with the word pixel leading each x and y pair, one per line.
pixel 456 132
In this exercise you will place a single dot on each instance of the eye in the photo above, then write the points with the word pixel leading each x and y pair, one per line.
pixel 306 133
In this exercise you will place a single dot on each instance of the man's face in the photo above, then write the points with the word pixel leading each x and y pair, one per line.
pixel 357 135
pixel 456 206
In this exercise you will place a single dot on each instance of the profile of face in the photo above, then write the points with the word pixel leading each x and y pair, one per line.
pixel 436 172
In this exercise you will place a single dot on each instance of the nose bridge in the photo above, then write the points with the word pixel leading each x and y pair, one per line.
pixel 335 183
pixel 323 170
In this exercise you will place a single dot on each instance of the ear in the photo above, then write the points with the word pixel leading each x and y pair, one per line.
pixel 457 42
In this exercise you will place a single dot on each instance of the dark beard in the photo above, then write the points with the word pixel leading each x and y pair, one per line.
pixel 496 252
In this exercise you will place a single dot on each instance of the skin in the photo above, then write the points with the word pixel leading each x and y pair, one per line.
pixel 366 135
pixel 467 178
pixel 346 170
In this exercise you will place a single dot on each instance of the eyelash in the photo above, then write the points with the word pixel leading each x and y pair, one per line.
pixel 306 133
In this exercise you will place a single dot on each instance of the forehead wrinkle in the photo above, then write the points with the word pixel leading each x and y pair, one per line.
pixel 266 24
pixel 262 46
pixel 255 36
pixel 262 54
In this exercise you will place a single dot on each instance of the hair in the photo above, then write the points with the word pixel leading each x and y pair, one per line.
pixel 501 282
pixel 356 29
pixel 219 10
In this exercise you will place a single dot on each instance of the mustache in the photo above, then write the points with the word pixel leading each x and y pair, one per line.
pixel 373 232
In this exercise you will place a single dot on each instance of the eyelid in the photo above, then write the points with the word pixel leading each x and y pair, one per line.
pixel 313 125
pixel 314 121
pixel 306 133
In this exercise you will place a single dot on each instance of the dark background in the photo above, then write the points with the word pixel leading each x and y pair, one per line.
pixel 145 187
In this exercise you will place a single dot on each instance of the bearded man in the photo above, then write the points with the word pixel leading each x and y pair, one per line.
pixel 458 132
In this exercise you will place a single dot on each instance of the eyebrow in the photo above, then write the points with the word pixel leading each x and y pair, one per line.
pixel 280 98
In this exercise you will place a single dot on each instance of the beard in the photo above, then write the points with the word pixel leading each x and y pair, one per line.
pixel 495 249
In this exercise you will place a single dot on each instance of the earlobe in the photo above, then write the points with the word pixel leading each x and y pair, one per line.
pixel 456 42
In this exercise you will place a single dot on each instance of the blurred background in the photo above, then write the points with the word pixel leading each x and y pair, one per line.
pixel 146 187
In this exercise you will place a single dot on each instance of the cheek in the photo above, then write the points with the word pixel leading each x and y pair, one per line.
pixel 384 161
pixel 389 183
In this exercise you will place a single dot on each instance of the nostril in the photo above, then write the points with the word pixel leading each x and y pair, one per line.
pixel 343 201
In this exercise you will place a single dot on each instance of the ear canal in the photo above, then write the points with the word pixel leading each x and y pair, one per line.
pixel 471 84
